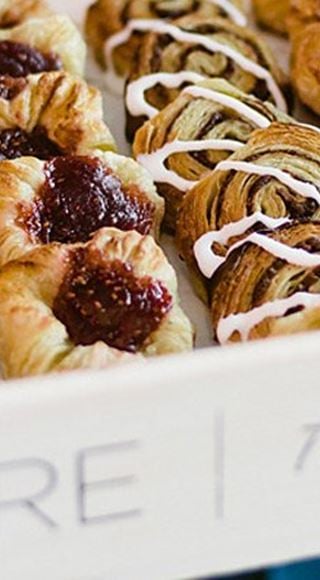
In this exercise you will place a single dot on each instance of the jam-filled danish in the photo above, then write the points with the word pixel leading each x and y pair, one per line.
pixel 106 18
pixel 51 114
pixel 68 198
pixel 190 49
pixel 41 45
pixel 274 177
pixel 204 125
pixel 89 305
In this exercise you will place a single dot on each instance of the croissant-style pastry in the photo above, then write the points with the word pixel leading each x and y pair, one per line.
pixel 89 305
pixel 13 13
pixel 188 138
pixel 198 48
pixel 108 17
pixel 68 198
pixel 276 174
pixel 272 14
pixel 51 114
pixel 269 285
pixel 42 45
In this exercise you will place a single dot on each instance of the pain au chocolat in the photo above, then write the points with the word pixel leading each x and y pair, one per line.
pixel 89 305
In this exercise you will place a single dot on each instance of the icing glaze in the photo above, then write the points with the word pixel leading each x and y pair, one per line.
pixel 154 162
pixel 179 35
pixel 232 11
pixel 244 322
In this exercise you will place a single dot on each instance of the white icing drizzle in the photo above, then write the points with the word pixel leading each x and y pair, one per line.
pixel 154 162
pixel 231 103
pixel 179 35
pixel 302 188
pixel 232 11
pixel 244 322
pixel 135 92
pixel 209 262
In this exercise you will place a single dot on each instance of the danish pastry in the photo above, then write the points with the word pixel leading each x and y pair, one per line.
pixel 200 128
pixel 276 176
pixel 272 14
pixel 49 114
pixel 197 48
pixel 89 305
pixel 106 18
pixel 13 13
pixel 37 46
pixel 68 198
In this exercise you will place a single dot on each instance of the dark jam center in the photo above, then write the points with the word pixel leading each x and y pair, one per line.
pixel 80 196
pixel 110 304
pixel 17 143
pixel 19 60
pixel 11 87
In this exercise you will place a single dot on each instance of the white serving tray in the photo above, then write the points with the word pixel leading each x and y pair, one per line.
pixel 176 468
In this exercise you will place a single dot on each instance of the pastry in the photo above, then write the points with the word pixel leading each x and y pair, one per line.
pixel 198 48
pixel 106 18
pixel 200 128
pixel 68 198
pixel 37 46
pixel 270 289
pixel 50 114
pixel 272 14
pixel 276 174
pixel 13 13
pixel 301 14
pixel 65 307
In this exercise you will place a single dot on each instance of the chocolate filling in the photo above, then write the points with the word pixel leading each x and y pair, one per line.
pixel 79 196
pixel 11 87
pixel 18 60
pixel 107 302
pixel 18 143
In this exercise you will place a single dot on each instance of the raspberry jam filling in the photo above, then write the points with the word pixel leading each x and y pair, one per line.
pixel 18 60
pixel 109 303
pixel 80 196
pixel 17 143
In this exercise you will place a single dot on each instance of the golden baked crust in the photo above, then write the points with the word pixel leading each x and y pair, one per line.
pixel 21 183
pixel 301 14
pixel 32 338
pixel 225 197
pixel 54 34
pixel 107 17
pixel 13 13
pixel 272 14
pixel 193 118
pixel 159 52
pixel 69 110
pixel 252 278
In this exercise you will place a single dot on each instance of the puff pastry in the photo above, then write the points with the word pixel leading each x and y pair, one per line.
pixel 200 128
pixel 107 17
pixel 13 13
pixel 65 307
pixel 36 46
pixel 197 48
pixel 49 114
pixel 276 174
pixel 68 198
pixel 272 13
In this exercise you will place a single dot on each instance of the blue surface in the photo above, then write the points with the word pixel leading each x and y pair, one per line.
pixel 304 571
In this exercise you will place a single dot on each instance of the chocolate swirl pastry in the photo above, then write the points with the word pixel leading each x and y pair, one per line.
pixel 268 291
pixel 107 17
pixel 272 14
pixel 36 46
pixel 50 114
pixel 68 198
pixel 89 305
pixel 206 48
pixel 276 175
pixel 204 125
pixel 13 13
